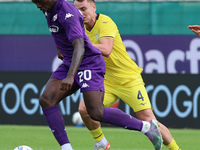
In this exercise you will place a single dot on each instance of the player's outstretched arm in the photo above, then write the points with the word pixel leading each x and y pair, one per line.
pixel 195 29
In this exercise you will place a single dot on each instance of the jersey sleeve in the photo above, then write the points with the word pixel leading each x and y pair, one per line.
pixel 72 23
pixel 108 28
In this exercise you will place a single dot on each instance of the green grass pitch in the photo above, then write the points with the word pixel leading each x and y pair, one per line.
pixel 40 138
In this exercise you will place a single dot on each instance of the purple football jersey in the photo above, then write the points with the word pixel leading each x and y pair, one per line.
pixel 66 24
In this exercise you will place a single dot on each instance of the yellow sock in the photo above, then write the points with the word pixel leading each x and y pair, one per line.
pixel 173 146
pixel 97 134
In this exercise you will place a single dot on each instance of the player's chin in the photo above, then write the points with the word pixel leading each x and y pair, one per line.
pixel 85 20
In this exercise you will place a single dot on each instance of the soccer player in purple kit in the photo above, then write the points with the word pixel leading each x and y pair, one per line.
pixel 83 68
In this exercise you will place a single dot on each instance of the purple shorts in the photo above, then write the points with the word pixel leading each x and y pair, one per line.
pixel 87 80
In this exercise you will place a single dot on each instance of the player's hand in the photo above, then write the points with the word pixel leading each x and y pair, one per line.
pixel 195 29
pixel 67 83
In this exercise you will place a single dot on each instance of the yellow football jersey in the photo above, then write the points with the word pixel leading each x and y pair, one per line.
pixel 120 69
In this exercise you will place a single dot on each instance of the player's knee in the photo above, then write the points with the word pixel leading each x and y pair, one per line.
pixel 145 115
pixel 44 102
pixel 96 115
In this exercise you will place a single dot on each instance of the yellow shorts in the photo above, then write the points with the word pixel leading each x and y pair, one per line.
pixel 132 93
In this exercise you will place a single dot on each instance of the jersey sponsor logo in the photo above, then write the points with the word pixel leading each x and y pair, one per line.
pixel 68 16
pixel 85 85
pixel 53 29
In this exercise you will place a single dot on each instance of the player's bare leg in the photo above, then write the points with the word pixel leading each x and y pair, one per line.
pixel 94 127
pixel 168 140
pixel 51 96
pixel 86 118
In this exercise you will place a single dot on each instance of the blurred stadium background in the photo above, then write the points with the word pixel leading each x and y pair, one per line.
pixel 156 36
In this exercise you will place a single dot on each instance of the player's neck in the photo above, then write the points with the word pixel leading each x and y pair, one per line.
pixel 91 24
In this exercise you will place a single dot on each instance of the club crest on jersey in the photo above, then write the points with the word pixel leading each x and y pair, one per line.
pixel 55 17
pixel 97 36
pixel 68 16
pixel 53 29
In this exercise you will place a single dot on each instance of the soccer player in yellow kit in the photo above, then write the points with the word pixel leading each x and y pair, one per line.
pixel 122 79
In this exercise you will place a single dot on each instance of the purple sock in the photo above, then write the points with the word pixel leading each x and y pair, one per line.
pixel 56 124
pixel 119 118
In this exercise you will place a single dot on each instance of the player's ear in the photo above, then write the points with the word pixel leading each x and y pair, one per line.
pixel 94 6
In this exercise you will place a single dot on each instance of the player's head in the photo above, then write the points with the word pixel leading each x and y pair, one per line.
pixel 88 9
pixel 45 5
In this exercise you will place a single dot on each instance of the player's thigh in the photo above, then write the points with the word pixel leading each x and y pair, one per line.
pixel 52 94
pixel 109 99
pixel 94 104
pixel 109 96
pixel 135 96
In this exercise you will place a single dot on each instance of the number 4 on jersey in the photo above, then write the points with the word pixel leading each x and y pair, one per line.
pixel 140 97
